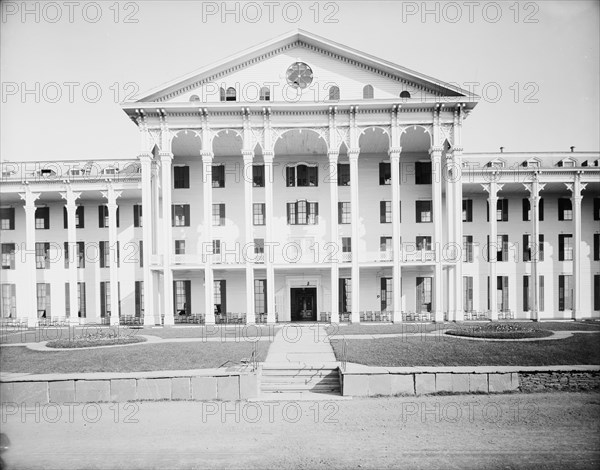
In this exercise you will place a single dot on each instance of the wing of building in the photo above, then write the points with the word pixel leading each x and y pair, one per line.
pixel 302 180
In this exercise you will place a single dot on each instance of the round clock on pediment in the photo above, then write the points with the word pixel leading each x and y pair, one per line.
pixel 299 75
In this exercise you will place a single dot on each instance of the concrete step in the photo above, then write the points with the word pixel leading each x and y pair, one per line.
pixel 314 383
pixel 300 373
pixel 297 388
pixel 299 396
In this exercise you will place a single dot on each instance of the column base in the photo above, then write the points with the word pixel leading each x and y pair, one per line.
pixel 168 320
pixel 149 320
pixel 209 319
pixel 335 317
pixel 114 321
pixel 355 317
pixel 459 316
pixel 32 322
pixel 494 316
pixel 271 318
pixel 438 316
pixel 396 317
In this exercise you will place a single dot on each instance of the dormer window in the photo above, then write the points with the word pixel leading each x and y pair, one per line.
pixel 368 92
pixel 230 95
pixel 496 163
pixel 47 172
pixel 109 171
pixel 75 172
pixel 532 163
pixel 265 94
pixel 334 93
pixel 567 163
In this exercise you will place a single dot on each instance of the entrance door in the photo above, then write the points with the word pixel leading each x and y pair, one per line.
pixel 304 304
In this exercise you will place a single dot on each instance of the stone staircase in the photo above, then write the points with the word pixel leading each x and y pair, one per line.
pixel 299 379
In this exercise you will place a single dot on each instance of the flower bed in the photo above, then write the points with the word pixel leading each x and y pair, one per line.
pixel 500 331
pixel 99 338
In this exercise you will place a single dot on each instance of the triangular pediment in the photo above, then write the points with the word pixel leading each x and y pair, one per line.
pixel 357 75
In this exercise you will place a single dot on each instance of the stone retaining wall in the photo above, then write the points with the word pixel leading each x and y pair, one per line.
pixel 224 387
pixel 564 381
pixel 362 383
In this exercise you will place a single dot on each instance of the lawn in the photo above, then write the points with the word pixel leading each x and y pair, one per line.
pixel 405 328
pixel 49 333
pixel 143 357
pixel 448 351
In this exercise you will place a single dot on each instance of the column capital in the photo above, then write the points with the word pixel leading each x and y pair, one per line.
pixel 70 196
pixel 248 155
pixel 145 157
pixel 268 156
pixel 353 153
pixel 29 197
pixel 111 195
pixel 207 156
pixel 394 152
pixel 493 192
pixel 333 155
pixel 436 151
pixel 534 188
pixel 165 156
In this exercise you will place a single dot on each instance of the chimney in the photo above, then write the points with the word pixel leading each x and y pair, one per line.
pixel 572 148
pixel 501 149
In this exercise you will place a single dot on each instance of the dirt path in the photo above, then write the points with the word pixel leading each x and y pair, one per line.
pixel 469 431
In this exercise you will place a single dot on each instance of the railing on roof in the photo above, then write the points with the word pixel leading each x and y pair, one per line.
pixel 70 170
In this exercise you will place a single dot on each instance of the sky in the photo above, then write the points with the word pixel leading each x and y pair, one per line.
pixel 66 66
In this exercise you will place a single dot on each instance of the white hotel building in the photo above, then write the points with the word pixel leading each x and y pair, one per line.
pixel 301 180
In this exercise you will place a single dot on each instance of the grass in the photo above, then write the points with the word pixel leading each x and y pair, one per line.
pixel 145 357
pixel 35 335
pixel 447 351
pixel 405 328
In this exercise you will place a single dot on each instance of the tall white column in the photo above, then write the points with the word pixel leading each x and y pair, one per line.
pixel 248 238
pixel 576 187
pixel 492 188
pixel 396 235
pixel 456 187
pixel 333 155
pixel 436 192
pixel 353 157
pixel 111 195
pixel 268 157
pixel 166 159
pixel 30 284
pixel 70 196
pixel 209 294
pixel 147 224
pixel 534 189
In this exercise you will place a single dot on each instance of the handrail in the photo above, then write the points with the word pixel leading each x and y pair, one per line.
pixel 344 355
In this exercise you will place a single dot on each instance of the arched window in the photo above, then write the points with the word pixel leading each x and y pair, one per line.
pixel 222 94
pixel 230 95
pixel 405 94
pixel 368 92
pixel 194 98
pixel 334 93
pixel 265 94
